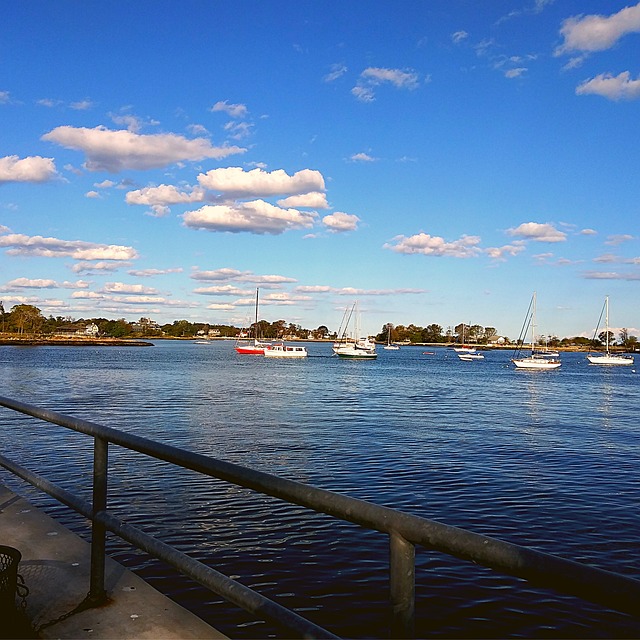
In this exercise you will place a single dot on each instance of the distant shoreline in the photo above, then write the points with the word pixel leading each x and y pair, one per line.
pixel 72 342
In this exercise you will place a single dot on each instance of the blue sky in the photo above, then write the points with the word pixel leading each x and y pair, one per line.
pixel 436 161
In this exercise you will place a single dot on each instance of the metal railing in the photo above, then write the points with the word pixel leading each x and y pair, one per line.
pixel 405 531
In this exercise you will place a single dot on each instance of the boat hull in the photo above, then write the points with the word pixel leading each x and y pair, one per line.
pixel 536 364
pixel 609 360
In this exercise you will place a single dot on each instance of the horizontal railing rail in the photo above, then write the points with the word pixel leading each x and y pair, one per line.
pixel 405 531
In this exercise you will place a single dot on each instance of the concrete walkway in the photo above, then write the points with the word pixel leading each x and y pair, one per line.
pixel 55 567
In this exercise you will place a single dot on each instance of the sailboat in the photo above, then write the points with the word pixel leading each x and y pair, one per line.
pixel 464 348
pixel 353 346
pixel 536 361
pixel 607 357
pixel 390 346
pixel 252 347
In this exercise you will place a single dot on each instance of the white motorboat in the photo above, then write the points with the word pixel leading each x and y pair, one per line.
pixel 285 351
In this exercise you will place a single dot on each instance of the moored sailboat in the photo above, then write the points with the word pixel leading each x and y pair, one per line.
pixel 353 346
pixel 535 361
pixel 252 347
pixel 607 358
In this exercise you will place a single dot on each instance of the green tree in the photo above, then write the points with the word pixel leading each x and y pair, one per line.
pixel 26 318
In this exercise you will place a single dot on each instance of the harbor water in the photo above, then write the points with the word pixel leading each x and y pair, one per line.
pixel 550 460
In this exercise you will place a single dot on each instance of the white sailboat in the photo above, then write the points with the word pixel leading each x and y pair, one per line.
pixel 535 361
pixel 607 357
pixel 464 348
pixel 252 347
pixel 353 346
pixel 390 346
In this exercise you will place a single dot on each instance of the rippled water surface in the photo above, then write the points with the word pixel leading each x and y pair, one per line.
pixel 544 459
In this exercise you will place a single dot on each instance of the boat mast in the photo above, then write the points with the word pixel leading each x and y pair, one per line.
pixel 606 322
pixel 255 335
pixel 533 323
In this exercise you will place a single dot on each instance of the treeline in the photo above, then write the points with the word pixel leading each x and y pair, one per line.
pixel 24 319
pixel 434 333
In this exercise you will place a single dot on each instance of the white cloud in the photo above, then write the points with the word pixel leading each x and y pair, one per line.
pixel 147 273
pixel 515 73
pixel 235 181
pixel 373 77
pixel 423 243
pixel 459 36
pixel 42 283
pixel 610 275
pixel 81 105
pixel 339 222
pixel 258 217
pixel 615 240
pixel 4 97
pixel 221 290
pixel 337 71
pixel 232 110
pixel 588 232
pixel 127 289
pixel 500 253
pixel 362 157
pixel 29 169
pixel 538 232
pixel 219 275
pixel 164 194
pixel 22 245
pixel 598 33
pixel 108 150
pixel 612 87
pixel 311 200
pixel 86 268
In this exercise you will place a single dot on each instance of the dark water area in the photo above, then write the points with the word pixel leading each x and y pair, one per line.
pixel 547 459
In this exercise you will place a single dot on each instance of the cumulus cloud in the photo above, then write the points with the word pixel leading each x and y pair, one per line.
pixel 311 200
pixel 232 110
pixel 114 151
pixel 164 194
pixel 537 232
pixel 258 217
pixel 29 169
pixel 596 32
pixel 362 157
pixel 616 239
pixel 620 87
pixel 85 267
pixel 425 244
pixel 339 222
pixel 219 275
pixel 127 289
pixel 373 77
pixel 22 245
pixel 258 183
pixel 221 290
pixel 44 283
pixel 500 253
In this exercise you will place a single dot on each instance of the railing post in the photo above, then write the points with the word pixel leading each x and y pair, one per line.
pixel 98 532
pixel 402 586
